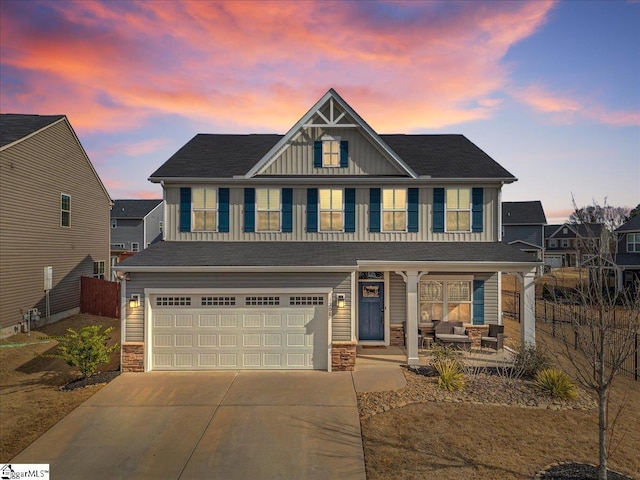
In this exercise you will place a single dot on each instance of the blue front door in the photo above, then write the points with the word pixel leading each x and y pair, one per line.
pixel 371 311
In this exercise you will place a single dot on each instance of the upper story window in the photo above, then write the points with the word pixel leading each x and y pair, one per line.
pixel 565 243
pixel 553 243
pixel 458 209
pixel 394 210
pixel 160 225
pixel 331 152
pixel 331 209
pixel 205 209
pixel 114 223
pixel 268 209
pixel 65 210
pixel 135 247
pixel 633 242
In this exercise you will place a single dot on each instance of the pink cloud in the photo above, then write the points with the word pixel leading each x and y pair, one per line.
pixel 568 109
pixel 256 66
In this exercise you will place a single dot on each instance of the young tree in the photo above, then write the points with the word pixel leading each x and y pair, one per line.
pixel 610 217
pixel 601 332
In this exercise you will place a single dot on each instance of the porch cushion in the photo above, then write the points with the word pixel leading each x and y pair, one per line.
pixel 450 337
pixel 458 330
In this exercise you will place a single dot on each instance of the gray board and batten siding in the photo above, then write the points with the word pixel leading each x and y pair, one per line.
pixel 340 282
pixel 35 172
pixel 361 234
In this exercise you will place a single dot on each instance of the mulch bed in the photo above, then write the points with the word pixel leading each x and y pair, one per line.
pixel 96 378
pixel 576 471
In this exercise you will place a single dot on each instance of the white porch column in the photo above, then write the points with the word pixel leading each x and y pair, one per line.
pixel 528 307
pixel 412 278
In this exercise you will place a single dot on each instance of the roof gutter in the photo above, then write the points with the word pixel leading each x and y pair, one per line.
pixel 332 180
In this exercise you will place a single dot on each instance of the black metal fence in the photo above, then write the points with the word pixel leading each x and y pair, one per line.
pixel 511 304
pixel 565 321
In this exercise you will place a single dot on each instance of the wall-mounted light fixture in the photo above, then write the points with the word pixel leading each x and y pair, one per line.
pixel 340 300
pixel 134 301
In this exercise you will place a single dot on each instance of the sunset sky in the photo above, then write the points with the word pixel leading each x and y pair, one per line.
pixel 549 90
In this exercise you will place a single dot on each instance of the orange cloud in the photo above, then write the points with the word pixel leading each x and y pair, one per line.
pixel 250 66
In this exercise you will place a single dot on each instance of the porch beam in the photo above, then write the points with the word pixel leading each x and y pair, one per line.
pixel 412 278
pixel 527 307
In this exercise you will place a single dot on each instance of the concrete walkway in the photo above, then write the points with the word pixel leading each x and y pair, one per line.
pixel 214 425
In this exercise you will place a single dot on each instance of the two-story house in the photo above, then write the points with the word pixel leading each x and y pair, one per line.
pixel 627 257
pixel 54 219
pixel 571 245
pixel 287 251
pixel 135 224
pixel 523 226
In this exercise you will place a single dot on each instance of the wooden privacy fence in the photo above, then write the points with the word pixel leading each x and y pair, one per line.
pixel 99 297
pixel 565 321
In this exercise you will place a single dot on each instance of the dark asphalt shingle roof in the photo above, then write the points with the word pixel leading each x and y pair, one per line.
pixel 523 213
pixel 14 126
pixel 314 254
pixel 224 156
pixel 133 208
pixel 633 224
pixel 586 230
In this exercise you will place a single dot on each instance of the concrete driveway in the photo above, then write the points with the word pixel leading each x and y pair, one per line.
pixel 197 425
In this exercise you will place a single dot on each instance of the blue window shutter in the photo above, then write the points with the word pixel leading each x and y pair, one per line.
pixel 185 209
pixel 312 209
pixel 249 209
pixel 374 209
pixel 438 210
pixel 478 302
pixel 344 154
pixel 223 210
pixel 349 210
pixel 287 210
pixel 477 203
pixel 317 154
pixel 412 210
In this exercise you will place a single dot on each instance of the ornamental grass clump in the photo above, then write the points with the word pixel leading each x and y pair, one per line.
pixel 555 383
pixel 450 375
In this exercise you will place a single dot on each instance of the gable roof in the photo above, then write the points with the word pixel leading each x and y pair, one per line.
pixel 208 156
pixel 523 213
pixel 16 126
pixel 585 230
pixel 133 208
pixel 632 224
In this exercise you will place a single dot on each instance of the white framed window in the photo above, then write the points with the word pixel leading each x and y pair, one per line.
pixel 135 247
pixel 445 300
pixel 205 209
pixel 331 207
pixel 98 269
pixel 565 243
pixel 65 210
pixel 330 152
pixel 160 225
pixel 117 246
pixel 268 209
pixel 553 243
pixel 394 209
pixel 458 209
pixel 114 223
pixel 633 242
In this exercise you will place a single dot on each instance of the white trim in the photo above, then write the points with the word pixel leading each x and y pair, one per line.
pixel 193 213
pixel 394 210
pixel 387 313
pixel 256 211
pixel 333 180
pixel 213 269
pixel 354 306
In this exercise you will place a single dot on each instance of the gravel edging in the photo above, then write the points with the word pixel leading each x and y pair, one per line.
pixel 480 389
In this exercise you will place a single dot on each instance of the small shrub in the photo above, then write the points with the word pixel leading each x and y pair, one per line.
pixel 555 383
pixel 444 352
pixel 85 349
pixel 530 360
pixel 450 376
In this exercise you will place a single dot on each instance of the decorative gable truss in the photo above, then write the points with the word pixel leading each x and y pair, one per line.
pixel 331 139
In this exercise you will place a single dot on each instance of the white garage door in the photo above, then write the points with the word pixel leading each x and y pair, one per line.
pixel 204 332
pixel 553 262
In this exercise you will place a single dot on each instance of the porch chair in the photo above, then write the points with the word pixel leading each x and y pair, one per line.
pixel 494 339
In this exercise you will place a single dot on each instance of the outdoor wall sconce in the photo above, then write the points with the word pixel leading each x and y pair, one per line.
pixel 340 300
pixel 134 301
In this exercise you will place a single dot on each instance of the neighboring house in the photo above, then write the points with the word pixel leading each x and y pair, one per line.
pixel 287 251
pixel 627 257
pixel 54 212
pixel 571 245
pixel 135 224
pixel 523 226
